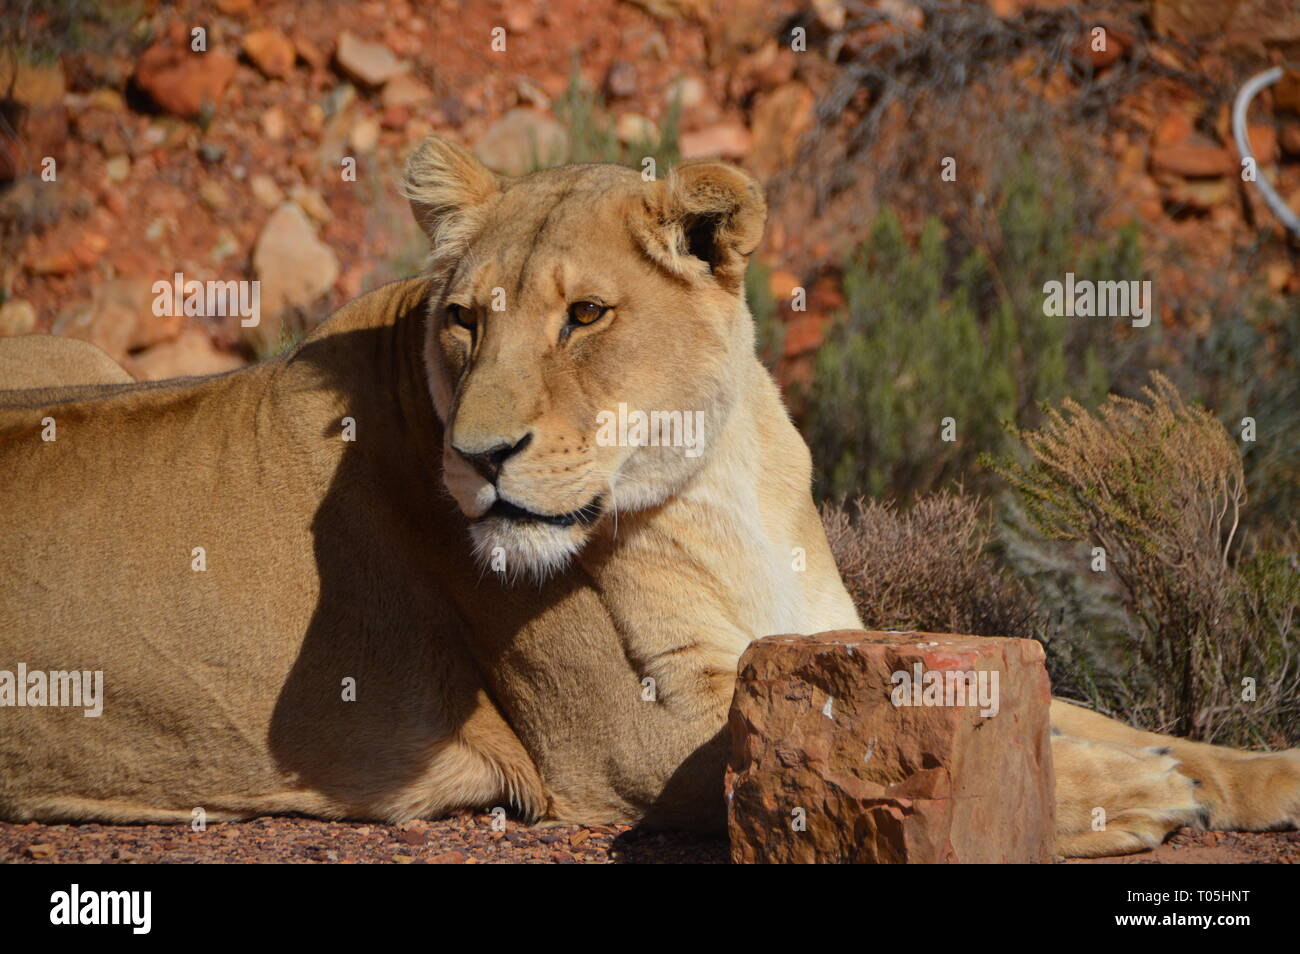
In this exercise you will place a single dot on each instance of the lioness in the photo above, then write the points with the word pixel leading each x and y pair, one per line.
pixel 395 572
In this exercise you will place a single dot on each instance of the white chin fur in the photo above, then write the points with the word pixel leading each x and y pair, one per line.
pixel 517 550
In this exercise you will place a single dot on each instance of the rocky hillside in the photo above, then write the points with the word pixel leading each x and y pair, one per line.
pixel 232 139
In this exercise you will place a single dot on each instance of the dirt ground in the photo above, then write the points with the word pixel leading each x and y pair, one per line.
pixel 468 838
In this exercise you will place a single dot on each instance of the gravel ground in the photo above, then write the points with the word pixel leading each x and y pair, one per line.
pixel 467 838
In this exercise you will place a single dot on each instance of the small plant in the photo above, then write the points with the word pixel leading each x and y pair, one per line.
pixel 1155 488
pixel 767 324
pixel 928 568
pixel 592 136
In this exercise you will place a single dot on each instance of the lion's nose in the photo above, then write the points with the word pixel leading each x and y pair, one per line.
pixel 489 462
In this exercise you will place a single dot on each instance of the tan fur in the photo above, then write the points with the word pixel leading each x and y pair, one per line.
pixel 589 679
pixel 45 361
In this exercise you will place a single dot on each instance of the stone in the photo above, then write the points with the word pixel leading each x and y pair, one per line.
pixel 17 317
pixel 118 318
pixel 724 140
pixel 804 334
pixel 192 353
pixel 825 767
pixel 830 14
pixel 34 84
pixel 371 64
pixel 1286 92
pixel 635 128
pixel 1194 159
pixel 117 169
pixel 106 129
pixel 1201 195
pixel 1289 138
pixel 265 190
pixel 274 123
pixel 311 202
pixel 293 265
pixel 1189 18
pixel 404 90
pixel 271 52
pixel 182 81
pixel 780 119
pixel 688 92
pixel 1263 143
pixel 364 135
pixel 521 140
pixel 212 195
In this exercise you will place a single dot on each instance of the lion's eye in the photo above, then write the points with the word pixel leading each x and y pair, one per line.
pixel 586 312
pixel 462 316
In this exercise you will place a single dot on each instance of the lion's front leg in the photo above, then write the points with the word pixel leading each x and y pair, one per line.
pixel 1120 790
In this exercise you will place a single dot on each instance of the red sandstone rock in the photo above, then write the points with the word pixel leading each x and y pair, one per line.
pixel 814 728
pixel 182 80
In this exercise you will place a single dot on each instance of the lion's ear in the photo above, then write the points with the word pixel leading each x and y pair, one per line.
pixel 705 211
pixel 448 189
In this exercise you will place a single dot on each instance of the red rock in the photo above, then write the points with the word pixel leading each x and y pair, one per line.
pixel 1194 159
pixel 1289 138
pixel 33 84
pixel 803 334
pixel 781 285
pixel 118 318
pixel 1116 42
pixel 1175 127
pixel 448 858
pixel 183 81
pixel 271 52
pixel 780 119
pixel 1263 143
pixel 309 51
pixel 1286 92
pixel 814 728
pixel 371 64
pixel 725 140
pixel 1190 18
pixel 405 90
pixel 193 353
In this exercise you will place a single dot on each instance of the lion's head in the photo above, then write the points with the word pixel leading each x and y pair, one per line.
pixel 580 316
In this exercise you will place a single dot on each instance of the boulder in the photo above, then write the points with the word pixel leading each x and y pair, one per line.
pixel 891 748
pixel 293 265
pixel 118 318
pixel 17 317
pixel 271 52
pixel 724 140
pixel 183 81
pixel 371 64
pixel 522 140
pixel 1194 159
pixel 192 353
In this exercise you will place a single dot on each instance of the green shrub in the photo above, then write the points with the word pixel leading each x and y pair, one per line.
pixel 936 332
pixel 1158 486
pixel 768 331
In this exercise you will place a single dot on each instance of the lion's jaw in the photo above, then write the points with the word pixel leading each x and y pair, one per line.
pixel 554 426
